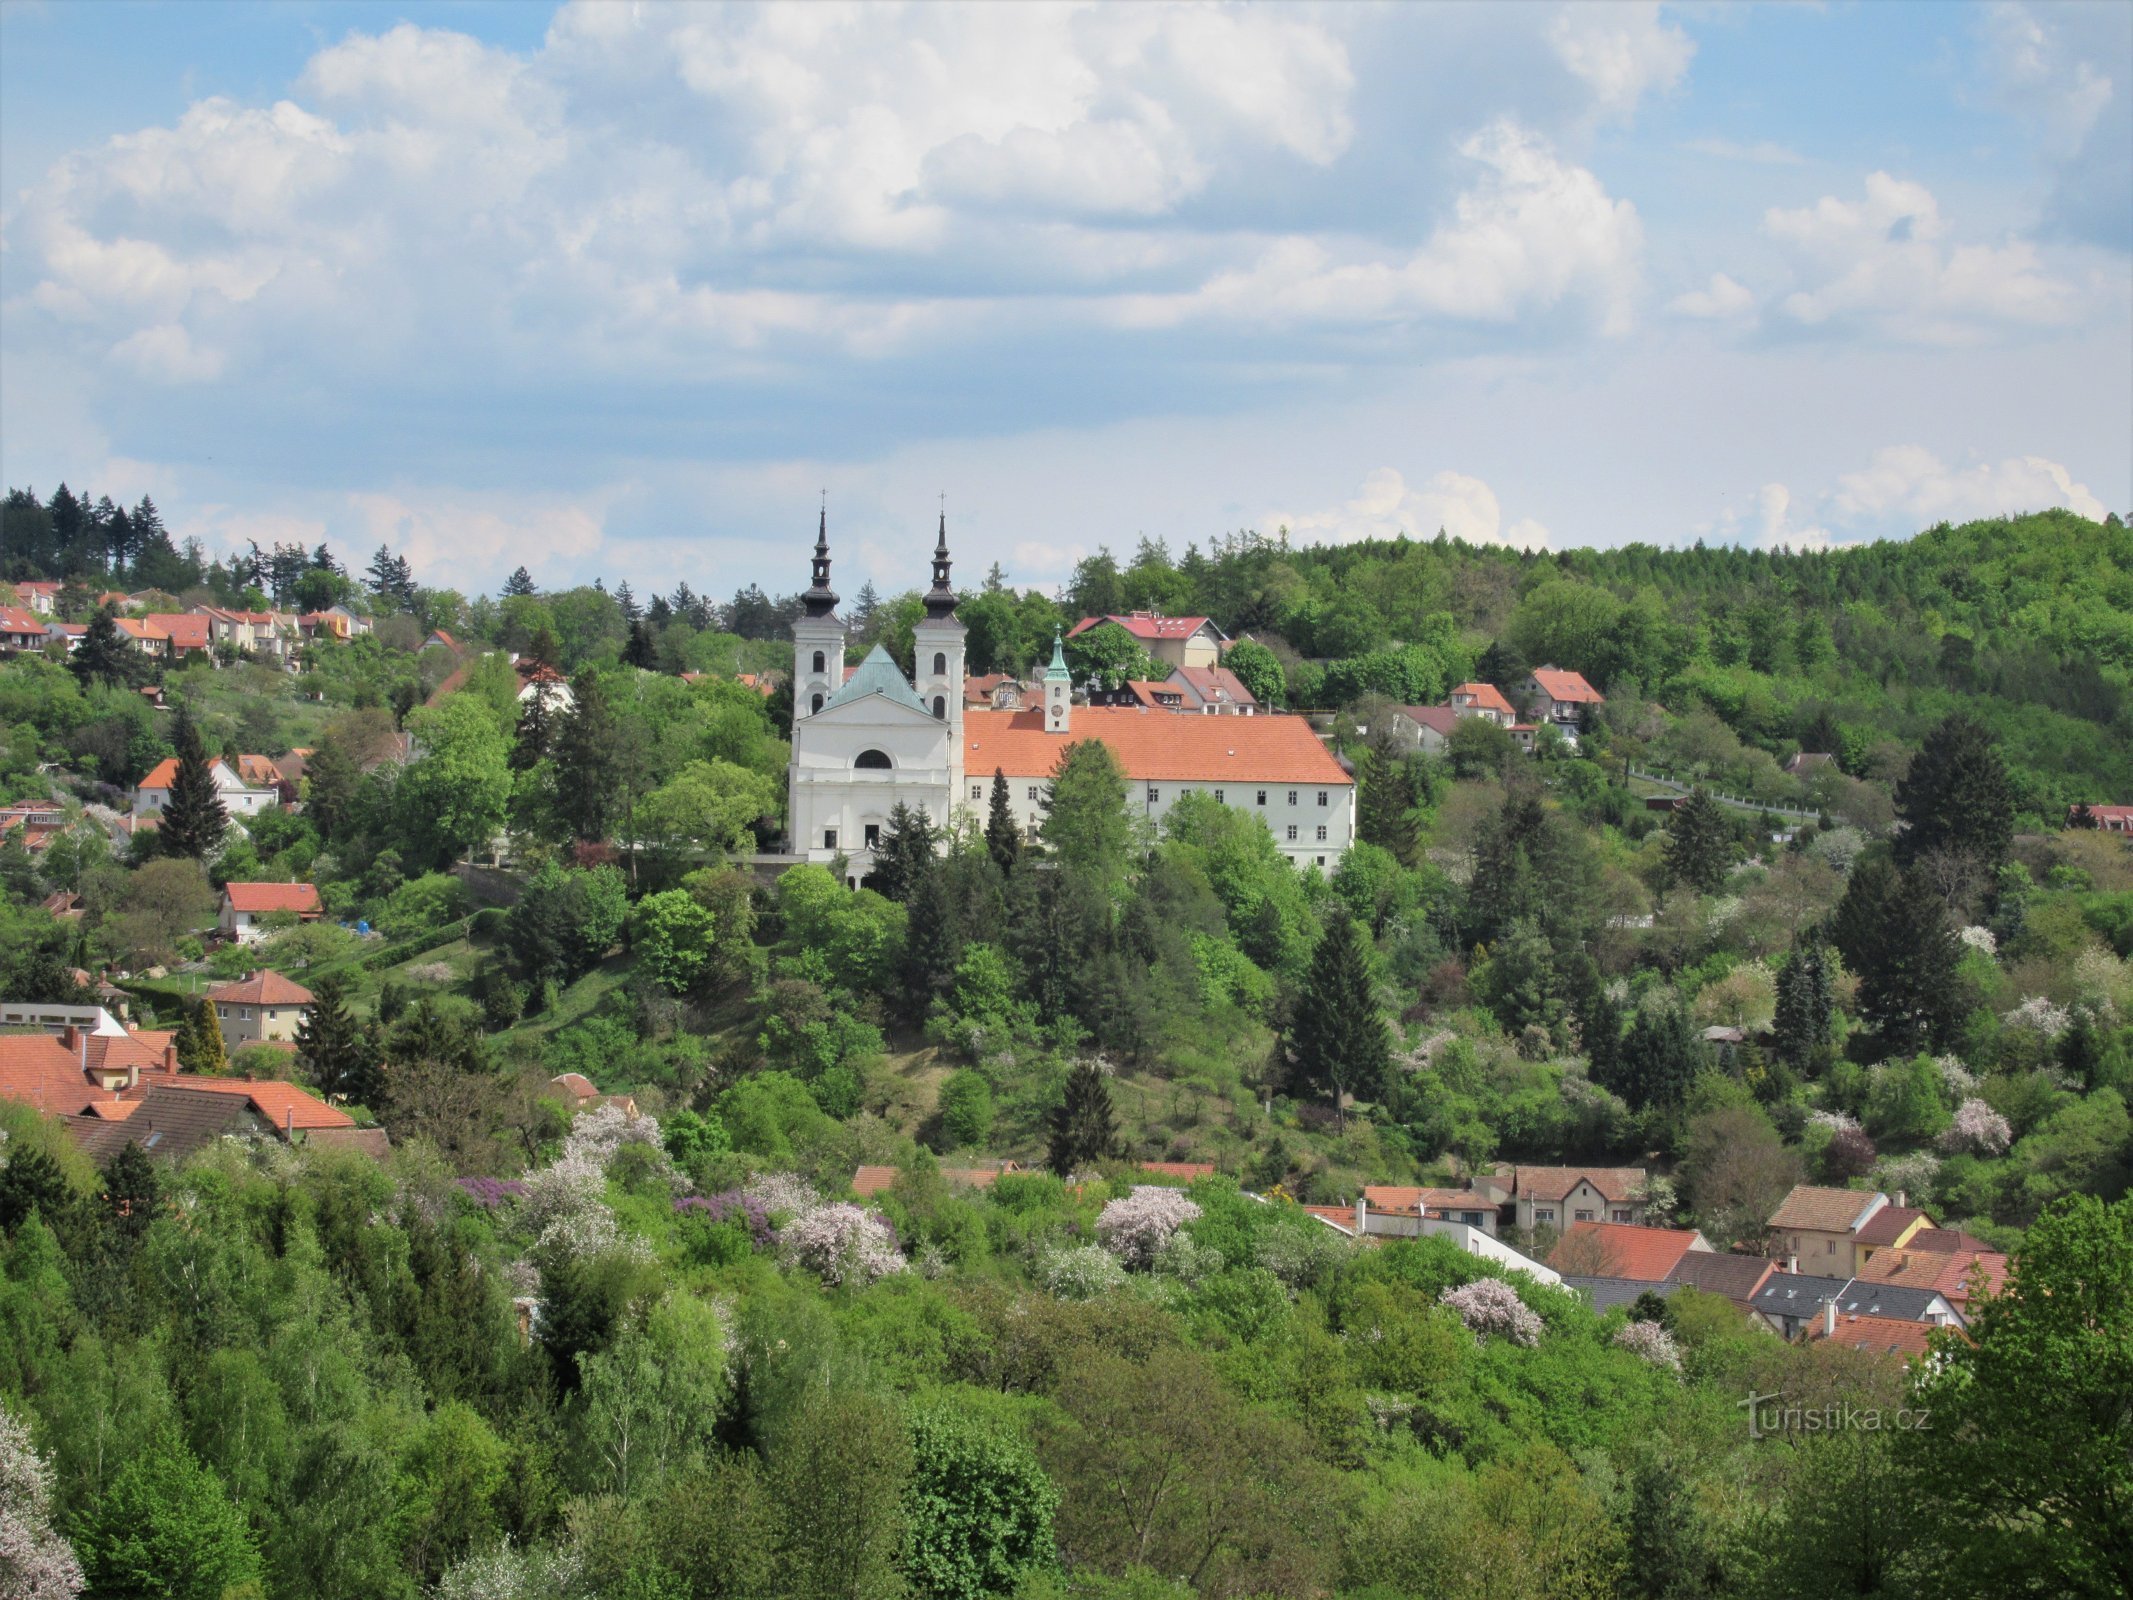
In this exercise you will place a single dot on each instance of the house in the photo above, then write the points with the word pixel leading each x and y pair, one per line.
pixel 1817 1229
pixel 1620 1250
pixel 187 632
pixel 1482 700
pixel 1175 641
pixel 1212 691
pixel 246 906
pixel 146 636
pixel 1788 1301
pixel 1955 1273
pixel 1807 762
pixel 763 683
pixel 1605 1294
pixel 443 641
pixel 21 630
pixel 1367 1225
pixel 1560 1197
pixel 258 772
pixel 550 685
pixel 866 743
pixel 1424 728
pixel 335 622
pixel 1554 695
pixel 41 595
pixel 239 797
pixel 67 1073
pixel 1891 1227
pixel 174 1119
pixel 2111 819
pixel 1791 1303
pixel 995 691
pixel 583 1094
pixel 1449 1205
pixel 1737 1278
pixel 263 1008
pixel 1886 1336
pixel 67 635
pixel 65 905
pixel 273 635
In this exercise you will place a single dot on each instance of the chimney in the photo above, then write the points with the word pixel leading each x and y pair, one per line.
pixel 1901 1199
pixel 170 1058
pixel 1792 1262
pixel 1362 1215
pixel 70 1037
pixel 1829 1317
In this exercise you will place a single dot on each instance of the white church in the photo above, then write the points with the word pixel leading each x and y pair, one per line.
pixel 863 744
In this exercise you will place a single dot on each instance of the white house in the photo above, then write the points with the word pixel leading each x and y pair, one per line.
pixel 247 906
pixel 1555 695
pixel 152 794
pixel 863 744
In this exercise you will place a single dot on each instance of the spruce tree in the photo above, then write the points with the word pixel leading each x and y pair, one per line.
pixel 587 750
pixel 1336 1039
pixel 104 654
pixel 1002 837
pixel 1083 1129
pixel 1910 985
pixel 927 964
pixel 536 733
pixel 519 583
pixel 194 819
pixel 132 1194
pixel 1956 795
pixel 906 855
pixel 1660 1060
pixel 642 651
pixel 1386 799
pixel 2081 816
pixel 631 611
pixel 1806 1001
pixel 339 1051
pixel 330 779
pixel 1699 843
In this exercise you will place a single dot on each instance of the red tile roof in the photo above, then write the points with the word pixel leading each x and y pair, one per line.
pixel 1737 1277
pixel 1217 685
pixel 1341 1217
pixel 1412 1198
pixel 184 630
pixel 1619 1184
pixel 1877 1335
pixel 260 898
pixel 1441 718
pixel 1152 746
pixel 161 775
pixel 284 1104
pixel 19 619
pixel 579 1086
pixel 870 1181
pixel 258 771
pixel 263 988
pixel 37 1070
pixel 1643 1255
pixel 1945 1272
pixel 1180 1169
pixel 1487 697
pixel 1568 687
pixel 1886 1226
pixel 1144 625
pixel 136 628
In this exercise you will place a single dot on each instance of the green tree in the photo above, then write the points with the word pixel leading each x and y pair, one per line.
pixel 330 781
pixel 906 855
pixel 2027 1469
pixel 1108 655
pixel 166 1528
pixel 1085 827
pixel 839 1476
pixel 672 935
pixel 1002 837
pixel 1905 950
pixel 566 921
pixel 1336 1042
pixel 1083 1130
pixel 104 655
pixel 451 799
pixel 977 1508
pixel 194 819
pixel 1660 1059
pixel 966 1110
pixel 1478 748
pixel 1259 670
pixel 1806 1005
pixel 1699 843
pixel 342 1053
pixel 1904 1101
pixel 200 1044
pixel 1386 797
pixel 592 763
pixel 1956 795
pixel 712 805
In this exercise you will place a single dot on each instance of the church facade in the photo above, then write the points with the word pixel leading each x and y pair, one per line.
pixel 864 744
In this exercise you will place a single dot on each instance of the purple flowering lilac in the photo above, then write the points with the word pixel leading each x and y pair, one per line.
pixel 731 1205
pixel 489 1193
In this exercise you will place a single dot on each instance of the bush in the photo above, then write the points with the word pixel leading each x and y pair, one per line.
pixel 966 1109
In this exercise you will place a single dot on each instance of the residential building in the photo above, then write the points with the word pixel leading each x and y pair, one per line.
pixel 1621 1250
pixel 1883 1336
pixel 68 1073
pixel 174 1118
pixel 869 741
pixel 1555 695
pixel 1561 1197
pixel 21 630
pixel 146 636
pixel 240 798
pixel 273 635
pixel 1448 1205
pixel 1212 691
pixel 1175 641
pixel 263 1008
pixel 995 691
pixel 2111 819
pixel 1361 1222
pixel 1806 763
pixel 1737 1278
pixel 187 632
pixel 1817 1229
pixel 1788 1301
pixel 1482 700
pixel 247 906
pixel 583 1094
pixel 1791 1304
pixel 41 595
pixel 335 622
pixel 1425 728
pixel 1957 1273
pixel 1891 1227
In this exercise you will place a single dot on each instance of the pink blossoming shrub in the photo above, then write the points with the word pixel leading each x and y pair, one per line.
pixel 36 1563
pixel 1977 1128
pixel 841 1244
pixel 1652 1342
pixel 1135 1228
pixel 1490 1306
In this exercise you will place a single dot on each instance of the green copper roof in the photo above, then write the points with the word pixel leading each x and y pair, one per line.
pixel 877 675
pixel 1058 668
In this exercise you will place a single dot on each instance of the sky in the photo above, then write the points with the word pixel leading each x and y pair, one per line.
pixel 621 289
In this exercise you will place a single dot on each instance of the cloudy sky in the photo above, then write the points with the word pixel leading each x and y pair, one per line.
pixel 617 288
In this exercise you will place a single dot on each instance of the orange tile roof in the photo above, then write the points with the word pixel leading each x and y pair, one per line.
pixel 259 898
pixel 19 619
pixel 1409 1197
pixel 1144 625
pixel 1822 1210
pixel 1878 1335
pixel 1619 1184
pixel 185 630
pixel 286 1105
pixel 161 775
pixel 122 1052
pixel 1569 687
pixel 1643 1255
pixel 136 628
pixel 870 1181
pixel 263 988
pixel 1487 697
pixel 258 771
pixel 1156 746
pixel 1945 1272
pixel 1217 685
pixel 1180 1169
pixel 577 1083
pixel 1342 1217
pixel 37 1070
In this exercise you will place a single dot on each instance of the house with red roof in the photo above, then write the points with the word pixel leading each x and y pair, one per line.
pixel 1555 695
pixel 1817 1228
pixel 1621 1250
pixel 186 633
pixel 21 630
pixel 1446 1205
pixel 1175 641
pixel 41 595
pixel 1562 1197
pixel 146 636
pixel 240 797
pixel 2111 819
pixel 262 1008
pixel 1482 700
pixel 1424 728
pixel 247 906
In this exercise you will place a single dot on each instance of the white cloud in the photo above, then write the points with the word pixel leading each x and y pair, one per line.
pixel 1385 508
pixel 468 540
pixel 2064 71
pixel 1885 260
pixel 1911 482
pixel 1773 505
pixel 1720 299
pixel 1623 52
pixel 167 354
pixel 2040 71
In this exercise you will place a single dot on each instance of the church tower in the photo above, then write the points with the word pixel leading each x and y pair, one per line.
pixel 1058 690
pixel 938 656
pixel 817 636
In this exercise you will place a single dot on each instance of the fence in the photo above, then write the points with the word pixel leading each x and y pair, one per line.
pixel 1739 802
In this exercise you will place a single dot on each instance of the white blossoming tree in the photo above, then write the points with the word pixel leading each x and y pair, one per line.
pixel 1977 1129
pixel 1491 1308
pixel 1136 1228
pixel 841 1244
pixel 36 1562
pixel 1651 1342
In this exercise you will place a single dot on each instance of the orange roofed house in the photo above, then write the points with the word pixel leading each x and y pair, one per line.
pixel 1617 1250
pixel 1560 1197
pixel 261 1009
pixel 1554 695
pixel 246 907
pixel 239 797
pixel 868 740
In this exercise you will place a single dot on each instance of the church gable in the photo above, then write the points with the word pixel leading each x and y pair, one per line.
pixel 877 675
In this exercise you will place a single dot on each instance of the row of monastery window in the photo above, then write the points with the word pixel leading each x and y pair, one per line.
pixel 1321 833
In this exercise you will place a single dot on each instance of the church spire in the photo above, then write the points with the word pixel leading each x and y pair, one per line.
pixel 821 599
pixel 940 599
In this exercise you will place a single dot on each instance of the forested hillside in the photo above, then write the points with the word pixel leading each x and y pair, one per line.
pixel 558 1344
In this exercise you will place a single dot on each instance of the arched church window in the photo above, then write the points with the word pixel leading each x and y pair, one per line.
pixel 817 706
pixel 940 664
pixel 821 661
pixel 873 759
pixel 940 706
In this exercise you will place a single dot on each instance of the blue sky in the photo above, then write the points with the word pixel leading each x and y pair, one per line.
pixel 616 289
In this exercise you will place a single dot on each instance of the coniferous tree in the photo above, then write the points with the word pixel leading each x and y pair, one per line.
pixel 1956 795
pixel 1910 985
pixel 104 654
pixel 1083 1129
pixel 1660 1060
pixel 1806 1002
pixel 194 819
pixel 927 964
pixel 1699 843
pixel 131 1194
pixel 2081 816
pixel 519 583
pixel 642 651
pixel 203 1034
pixel 330 779
pixel 1002 837
pixel 543 649
pixel 906 855
pixel 1086 828
pixel 1600 1035
pixel 1386 798
pixel 339 1050
pixel 588 750
pixel 1336 1041
pixel 626 600
pixel 536 733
